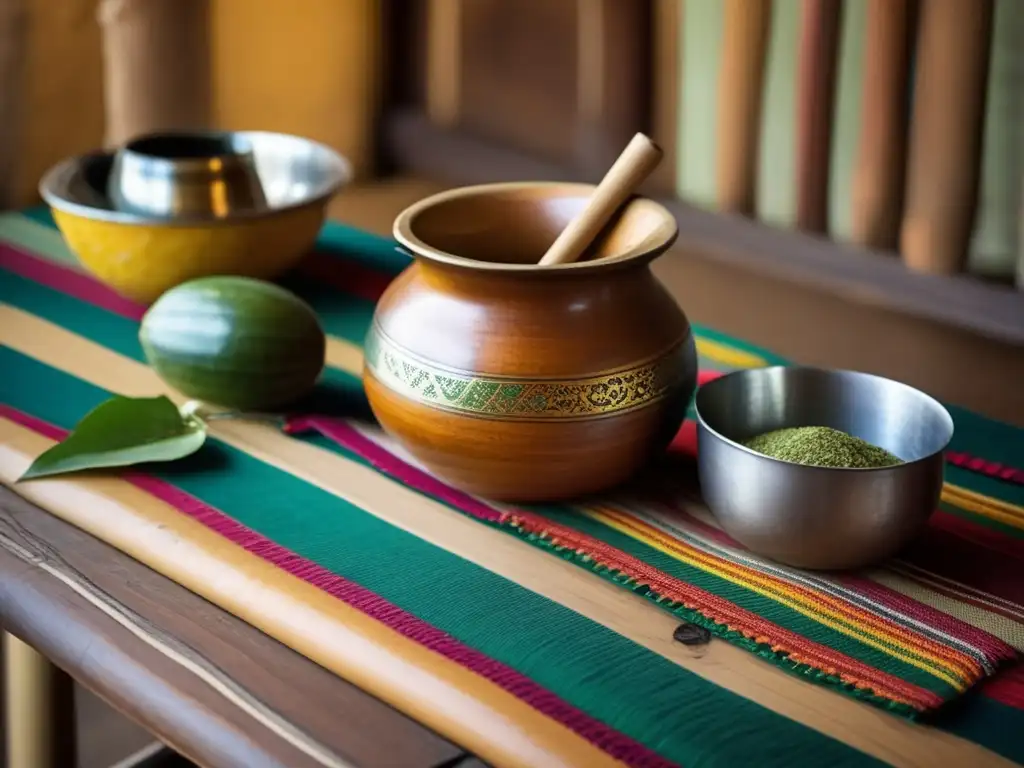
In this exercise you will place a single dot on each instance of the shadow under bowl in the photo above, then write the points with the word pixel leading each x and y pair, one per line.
pixel 142 256
pixel 820 517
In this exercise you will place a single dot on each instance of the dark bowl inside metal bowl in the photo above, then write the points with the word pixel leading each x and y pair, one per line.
pixel 179 174
pixel 291 172
pixel 820 517
pixel 141 255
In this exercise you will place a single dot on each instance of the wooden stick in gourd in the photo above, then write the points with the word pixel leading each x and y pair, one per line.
pixel 638 159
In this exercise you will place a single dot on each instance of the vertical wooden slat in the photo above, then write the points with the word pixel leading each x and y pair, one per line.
pixel 39 709
pixel 13 41
pixel 666 60
pixel 157 72
pixel 61 93
pixel 314 73
pixel 819 40
pixel 878 173
pixel 945 133
pixel 444 61
pixel 613 79
pixel 740 85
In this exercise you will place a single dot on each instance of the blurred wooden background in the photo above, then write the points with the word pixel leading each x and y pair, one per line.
pixel 847 174
pixel 847 119
pixel 832 145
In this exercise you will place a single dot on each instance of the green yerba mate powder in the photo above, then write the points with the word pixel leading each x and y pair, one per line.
pixel 822 447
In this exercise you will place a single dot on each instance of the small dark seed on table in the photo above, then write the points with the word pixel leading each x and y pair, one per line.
pixel 692 634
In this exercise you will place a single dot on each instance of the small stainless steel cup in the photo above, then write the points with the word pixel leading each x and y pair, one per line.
pixel 186 175
pixel 818 517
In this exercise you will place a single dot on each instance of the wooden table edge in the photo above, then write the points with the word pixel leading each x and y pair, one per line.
pixel 39 606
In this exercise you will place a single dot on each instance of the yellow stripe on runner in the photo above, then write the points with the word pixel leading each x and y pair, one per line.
pixel 345 356
pixel 985 506
pixel 740 574
pixel 956 682
pixel 727 355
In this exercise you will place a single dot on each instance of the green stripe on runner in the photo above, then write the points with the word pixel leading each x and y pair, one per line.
pixel 632 689
pixel 732 593
pixel 985 721
pixel 342 315
pixel 362 247
pixel 40 214
pixel 118 333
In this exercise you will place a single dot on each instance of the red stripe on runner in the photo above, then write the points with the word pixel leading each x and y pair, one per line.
pixel 349 277
pixel 69 281
pixel 979 535
pixel 685 440
pixel 959 663
pixel 1007 687
pixel 960 595
pixel 994 648
pixel 615 743
pixel 985 467
pixel 954 558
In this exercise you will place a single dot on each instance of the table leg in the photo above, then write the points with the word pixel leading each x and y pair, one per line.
pixel 39 707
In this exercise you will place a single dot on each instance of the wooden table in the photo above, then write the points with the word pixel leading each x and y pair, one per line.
pixel 224 694
pixel 202 681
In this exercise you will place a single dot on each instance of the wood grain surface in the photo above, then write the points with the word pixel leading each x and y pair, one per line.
pixel 740 85
pixel 877 189
pixel 124 517
pixel 147 84
pixel 816 72
pixel 946 130
pixel 60 587
pixel 613 78
pixel 664 60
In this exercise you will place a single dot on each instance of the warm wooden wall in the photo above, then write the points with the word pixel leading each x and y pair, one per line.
pixel 313 72
pixel 56 76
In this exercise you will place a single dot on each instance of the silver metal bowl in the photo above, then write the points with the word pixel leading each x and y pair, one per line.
pixel 819 517
pixel 292 172
pixel 186 174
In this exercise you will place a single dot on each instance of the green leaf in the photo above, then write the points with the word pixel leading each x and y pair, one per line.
pixel 120 432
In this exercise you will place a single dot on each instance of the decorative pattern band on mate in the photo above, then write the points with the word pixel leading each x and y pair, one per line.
pixel 511 398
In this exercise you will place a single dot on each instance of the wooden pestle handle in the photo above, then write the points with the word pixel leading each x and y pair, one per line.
pixel 638 159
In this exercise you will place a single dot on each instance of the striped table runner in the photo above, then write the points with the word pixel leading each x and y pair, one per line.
pixel 353 555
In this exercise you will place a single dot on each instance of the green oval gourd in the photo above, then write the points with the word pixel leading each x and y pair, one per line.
pixel 236 342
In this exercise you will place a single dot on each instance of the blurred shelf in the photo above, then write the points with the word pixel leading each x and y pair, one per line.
pixel 418 147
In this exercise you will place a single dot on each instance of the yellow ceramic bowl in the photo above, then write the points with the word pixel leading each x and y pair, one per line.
pixel 142 257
